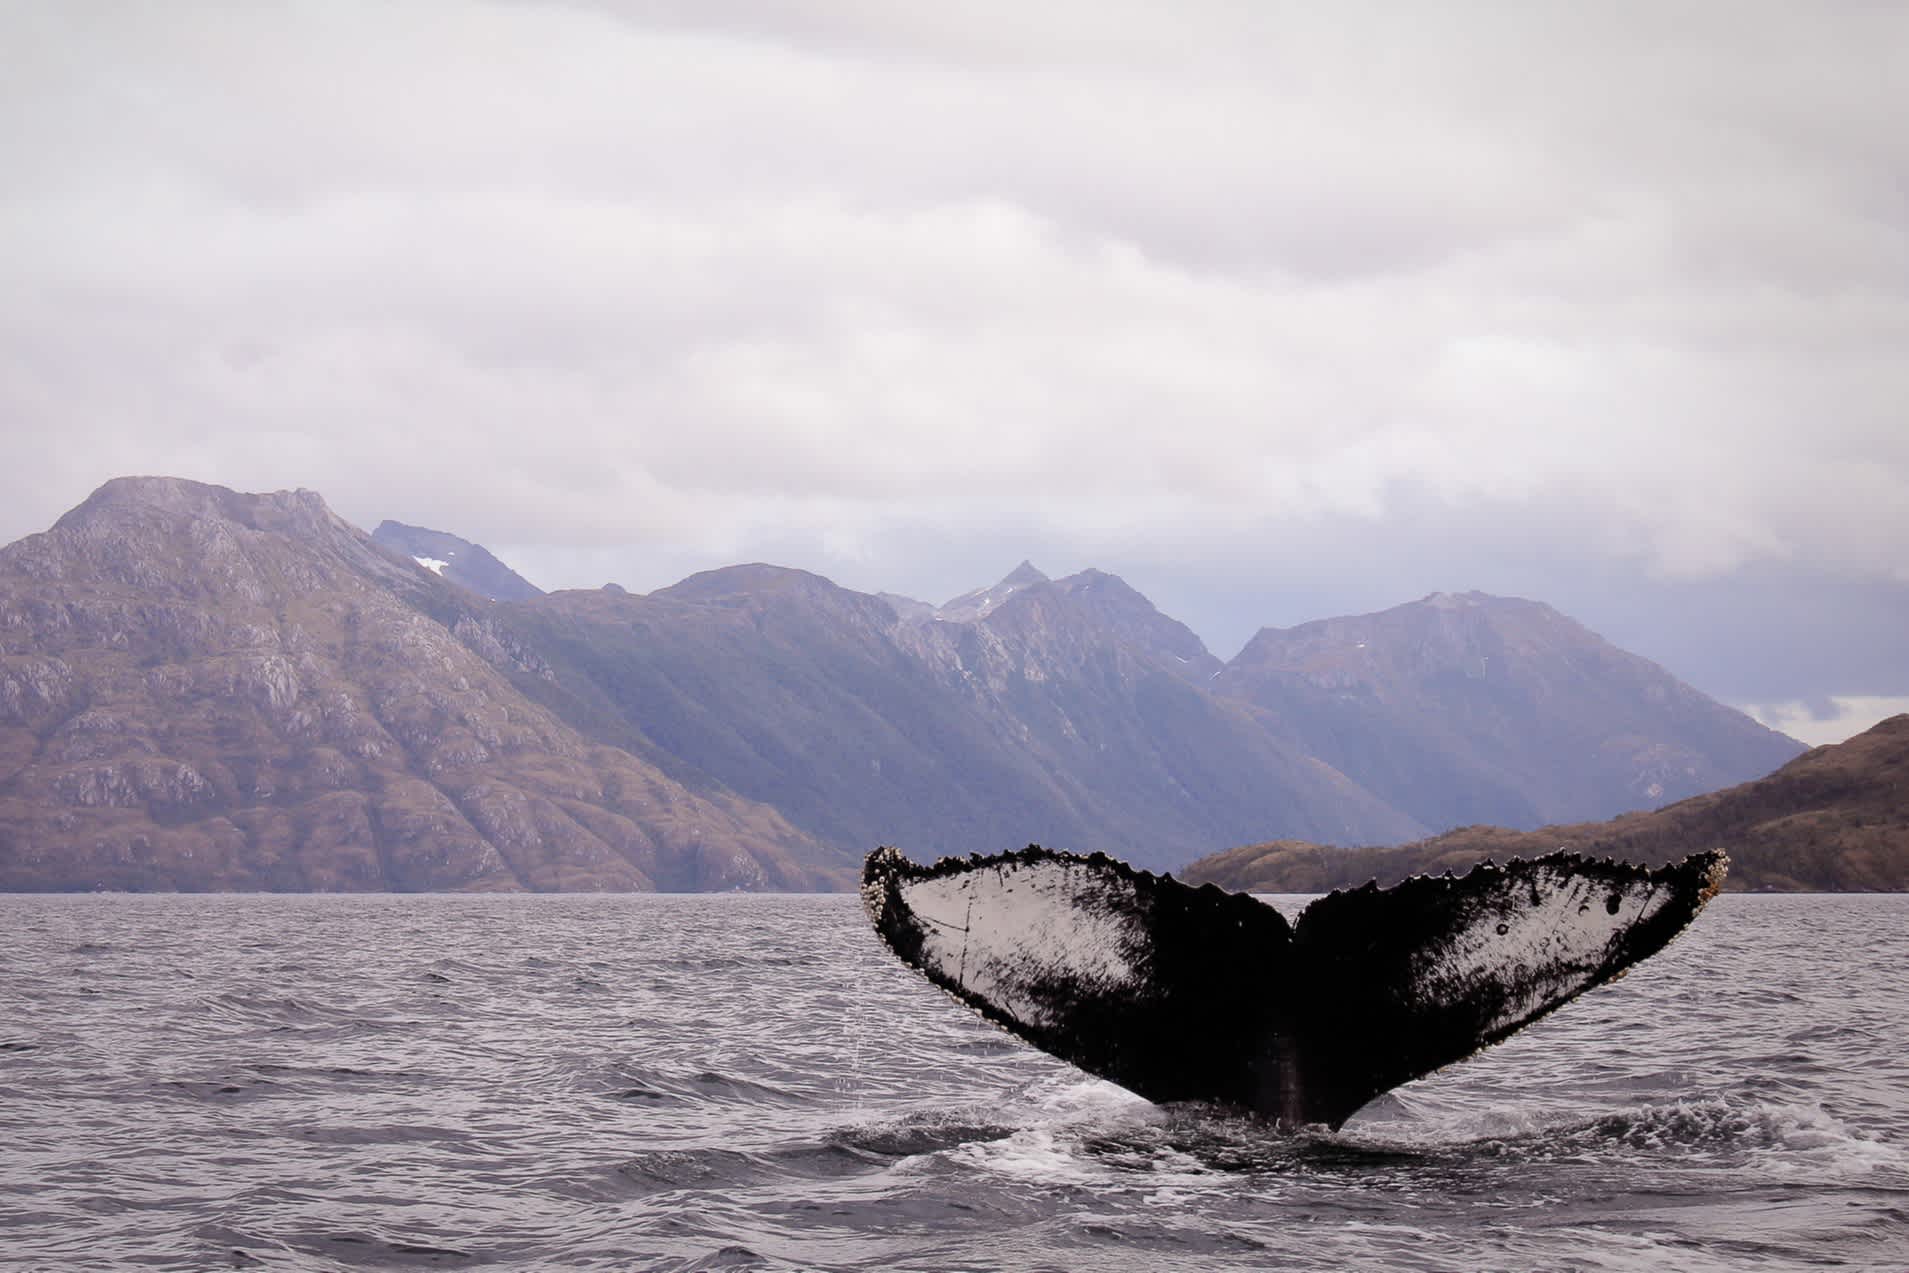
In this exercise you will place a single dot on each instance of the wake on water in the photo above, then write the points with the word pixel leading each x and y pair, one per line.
pixel 1420 1181
pixel 1088 1129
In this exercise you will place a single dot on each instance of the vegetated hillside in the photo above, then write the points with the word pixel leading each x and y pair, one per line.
pixel 1473 708
pixel 206 690
pixel 1064 711
pixel 469 566
pixel 1835 819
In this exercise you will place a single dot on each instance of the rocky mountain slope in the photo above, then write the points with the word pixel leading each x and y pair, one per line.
pixel 1835 819
pixel 1066 714
pixel 206 690
pixel 1473 708
pixel 1072 712
pixel 469 566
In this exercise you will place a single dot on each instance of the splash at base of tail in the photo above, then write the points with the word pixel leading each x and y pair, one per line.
pixel 1195 994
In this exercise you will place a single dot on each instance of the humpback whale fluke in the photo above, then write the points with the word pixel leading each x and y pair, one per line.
pixel 1180 993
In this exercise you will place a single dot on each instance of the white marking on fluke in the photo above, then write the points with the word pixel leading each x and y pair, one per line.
pixel 986 924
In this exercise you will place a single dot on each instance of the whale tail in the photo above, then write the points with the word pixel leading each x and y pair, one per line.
pixel 1180 993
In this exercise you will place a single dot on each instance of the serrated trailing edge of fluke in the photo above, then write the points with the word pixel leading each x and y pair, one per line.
pixel 1714 862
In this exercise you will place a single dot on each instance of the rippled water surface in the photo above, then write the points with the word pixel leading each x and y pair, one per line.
pixel 752 1082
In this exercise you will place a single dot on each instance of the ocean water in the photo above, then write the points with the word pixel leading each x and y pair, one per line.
pixel 738 1082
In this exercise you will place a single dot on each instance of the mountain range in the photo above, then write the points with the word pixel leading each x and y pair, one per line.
pixel 207 689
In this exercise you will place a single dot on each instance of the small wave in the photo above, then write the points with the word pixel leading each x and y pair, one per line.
pixel 1066 1129
pixel 449 967
pixel 1714 1127
pixel 374 1249
pixel 919 1135
pixel 279 1014
pixel 219 1090
pixel 1809 1134
pixel 380 1134
pixel 729 1087
pixel 667 1170
pixel 273 1008
pixel 640 1083
pixel 715 1170
pixel 265 1079
pixel 344 1074
pixel 997 1045
pixel 705 963
pixel 1693 1124
pixel 729 1257
pixel 1035 1152
pixel 1071 1096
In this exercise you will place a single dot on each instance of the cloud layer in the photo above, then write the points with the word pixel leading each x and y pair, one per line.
pixel 1217 293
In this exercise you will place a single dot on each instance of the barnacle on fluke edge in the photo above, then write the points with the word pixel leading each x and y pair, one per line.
pixel 1195 994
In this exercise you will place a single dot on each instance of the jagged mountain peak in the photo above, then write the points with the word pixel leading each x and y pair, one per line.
pixel 1022 575
pixel 468 565
pixel 972 607
pixel 1099 583
pixel 1103 608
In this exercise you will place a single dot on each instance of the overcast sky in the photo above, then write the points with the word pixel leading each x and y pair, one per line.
pixel 1277 310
